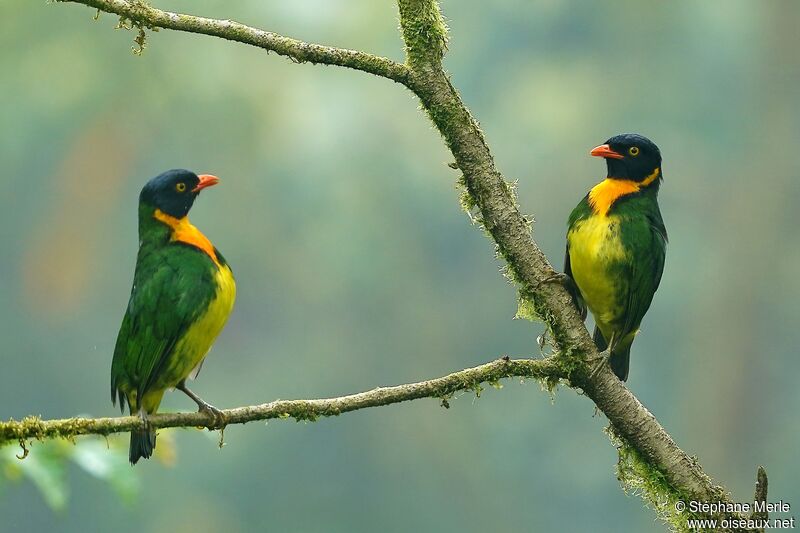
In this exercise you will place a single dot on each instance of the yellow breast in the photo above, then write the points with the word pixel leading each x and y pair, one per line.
pixel 196 343
pixel 594 247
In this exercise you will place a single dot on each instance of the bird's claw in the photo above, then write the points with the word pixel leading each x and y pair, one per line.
pixel 220 420
pixel 600 362
pixel 555 277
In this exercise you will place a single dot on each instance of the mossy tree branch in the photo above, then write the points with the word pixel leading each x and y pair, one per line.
pixel 140 14
pixel 441 388
pixel 646 449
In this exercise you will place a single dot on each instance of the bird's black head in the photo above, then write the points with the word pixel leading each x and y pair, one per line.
pixel 174 191
pixel 631 156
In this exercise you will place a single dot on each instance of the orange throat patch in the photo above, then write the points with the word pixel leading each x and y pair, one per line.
pixel 604 194
pixel 184 231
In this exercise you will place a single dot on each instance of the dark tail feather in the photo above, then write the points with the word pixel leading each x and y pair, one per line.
pixel 620 362
pixel 620 357
pixel 598 339
pixel 143 442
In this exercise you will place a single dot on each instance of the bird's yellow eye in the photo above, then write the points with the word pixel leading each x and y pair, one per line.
pixel 633 150
pixel 180 187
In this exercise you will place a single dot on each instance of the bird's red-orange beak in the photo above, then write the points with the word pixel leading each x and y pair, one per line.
pixel 605 150
pixel 206 180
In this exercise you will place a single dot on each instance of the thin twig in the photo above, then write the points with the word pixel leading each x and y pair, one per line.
pixel 762 486
pixel 443 387
pixel 145 16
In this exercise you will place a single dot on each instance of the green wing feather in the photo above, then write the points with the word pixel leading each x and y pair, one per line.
pixel 646 241
pixel 172 288
pixel 581 211
pixel 572 287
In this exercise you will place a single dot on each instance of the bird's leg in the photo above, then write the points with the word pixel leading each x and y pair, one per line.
pixel 604 357
pixel 203 406
pixel 602 360
pixel 145 420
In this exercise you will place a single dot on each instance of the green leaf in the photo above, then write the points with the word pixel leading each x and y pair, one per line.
pixel 109 463
pixel 46 469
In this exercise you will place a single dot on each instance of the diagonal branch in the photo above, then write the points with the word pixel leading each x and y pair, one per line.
pixel 443 388
pixel 144 16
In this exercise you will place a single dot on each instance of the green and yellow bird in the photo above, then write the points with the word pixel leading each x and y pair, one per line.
pixel 183 291
pixel 616 243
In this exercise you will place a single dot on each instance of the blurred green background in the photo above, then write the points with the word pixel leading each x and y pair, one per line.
pixel 357 268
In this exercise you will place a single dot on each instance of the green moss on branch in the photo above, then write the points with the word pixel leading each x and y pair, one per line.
pixel 34 428
pixel 143 16
pixel 424 31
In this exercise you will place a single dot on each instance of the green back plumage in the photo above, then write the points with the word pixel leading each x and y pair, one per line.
pixel 644 236
pixel 173 285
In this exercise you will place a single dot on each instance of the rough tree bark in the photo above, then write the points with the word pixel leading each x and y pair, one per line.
pixel 650 461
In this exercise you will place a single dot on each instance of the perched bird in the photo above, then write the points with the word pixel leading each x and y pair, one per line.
pixel 616 244
pixel 183 291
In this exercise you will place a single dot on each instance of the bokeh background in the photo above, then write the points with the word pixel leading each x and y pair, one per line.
pixel 357 268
